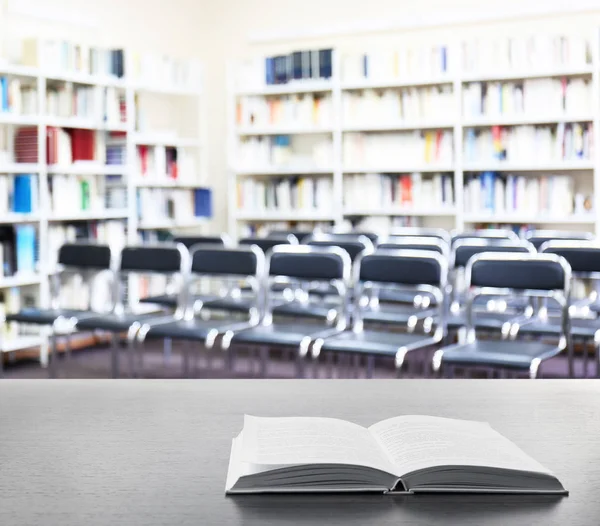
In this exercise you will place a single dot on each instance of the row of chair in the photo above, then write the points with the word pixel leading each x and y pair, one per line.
pixel 403 286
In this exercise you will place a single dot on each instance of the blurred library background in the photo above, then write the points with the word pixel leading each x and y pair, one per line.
pixel 327 189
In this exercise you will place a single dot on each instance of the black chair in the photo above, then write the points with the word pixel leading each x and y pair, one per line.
pixel 170 261
pixel 192 241
pixel 584 259
pixel 390 305
pixel 496 274
pixel 300 235
pixel 243 263
pixel 491 235
pixel 414 270
pixel 538 237
pixel 493 314
pixel 411 231
pixel 267 243
pixel 81 259
pixel 301 264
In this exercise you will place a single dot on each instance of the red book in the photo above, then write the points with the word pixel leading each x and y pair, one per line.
pixel 82 144
pixel 26 145
pixel 406 187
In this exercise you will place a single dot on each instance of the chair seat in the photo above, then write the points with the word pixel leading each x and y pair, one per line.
pixel 165 300
pixel 242 304
pixel 401 296
pixel 48 316
pixel 552 327
pixel 323 310
pixel 112 322
pixel 184 330
pixel 371 342
pixel 509 354
pixel 285 334
pixel 399 314
pixel 482 320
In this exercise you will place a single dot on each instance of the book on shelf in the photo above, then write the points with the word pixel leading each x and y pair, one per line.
pixel 297 194
pixel 550 97
pixel 525 53
pixel 18 247
pixel 162 204
pixel 62 56
pixel 398 148
pixel 26 144
pixel 76 193
pixel 529 144
pixel 389 106
pixel 23 197
pixel 283 151
pixel 405 63
pixel 398 191
pixel 297 110
pixel 406 454
pixel 17 96
pixel 165 163
pixel 549 195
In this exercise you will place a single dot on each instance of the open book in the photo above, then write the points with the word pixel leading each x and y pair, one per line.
pixel 403 454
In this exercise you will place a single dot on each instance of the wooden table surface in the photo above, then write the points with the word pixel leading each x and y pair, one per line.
pixel 155 452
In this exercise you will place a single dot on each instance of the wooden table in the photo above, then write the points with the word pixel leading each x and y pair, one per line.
pixel 155 452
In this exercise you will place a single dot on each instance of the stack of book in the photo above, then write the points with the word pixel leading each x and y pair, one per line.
pixel 301 194
pixel 150 69
pixel 17 97
pixel 303 109
pixel 537 97
pixel 401 149
pixel 278 152
pixel 408 191
pixel 19 194
pixel 66 146
pixel 396 105
pixel 158 204
pixel 62 56
pixel 165 163
pixel 115 190
pixel 116 154
pixel 71 100
pixel 402 63
pixel 538 52
pixel 114 106
pixel 529 144
pixel 298 66
pixel 26 145
pixel 549 195
pixel 18 250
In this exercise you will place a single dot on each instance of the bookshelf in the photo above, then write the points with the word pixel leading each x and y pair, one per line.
pixel 95 107
pixel 522 110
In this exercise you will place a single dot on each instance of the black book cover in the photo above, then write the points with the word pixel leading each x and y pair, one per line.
pixel 325 64
pixel 297 65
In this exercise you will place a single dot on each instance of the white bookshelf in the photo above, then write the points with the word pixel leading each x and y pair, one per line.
pixel 44 218
pixel 584 171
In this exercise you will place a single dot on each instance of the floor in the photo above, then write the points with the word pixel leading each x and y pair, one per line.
pixel 95 362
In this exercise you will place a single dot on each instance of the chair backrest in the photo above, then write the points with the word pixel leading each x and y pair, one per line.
pixel 267 243
pixel 538 237
pixel 191 241
pixel 412 231
pixel 352 245
pixel 415 243
pixel 491 235
pixel 308 264
pixel 464 249
pixel 415 270
pixel 582 256
pixel 85 256
pixel 300 235
pixel 240 262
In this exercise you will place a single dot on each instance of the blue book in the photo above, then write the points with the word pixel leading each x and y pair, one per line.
pixel 25 244
pixel 23 194
pixel 4 84
pixel 487 184
pixel 444 59
pixel 202 202
pixel 269 70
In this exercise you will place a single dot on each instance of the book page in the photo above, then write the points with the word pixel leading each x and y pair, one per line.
pixel 419 442
pixel 306 440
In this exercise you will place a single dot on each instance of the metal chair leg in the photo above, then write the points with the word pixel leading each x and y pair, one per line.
pixel 370 366
pixel 264 358
pixel 114 355
pixel 355 365
pixel 186 359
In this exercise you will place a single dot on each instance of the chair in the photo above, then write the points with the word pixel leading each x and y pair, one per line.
pixel 85 260
pixel 242 263
pixel 300 235
pixel 171 261
pixel 494 315
pixel 267 243
pixel 411 231
pixel 354 234
pixel 492 235
pixel 301 264
pixel 497 274
pixel 538 237
pixel 191 241
pixel 584 259
pixel 413 270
